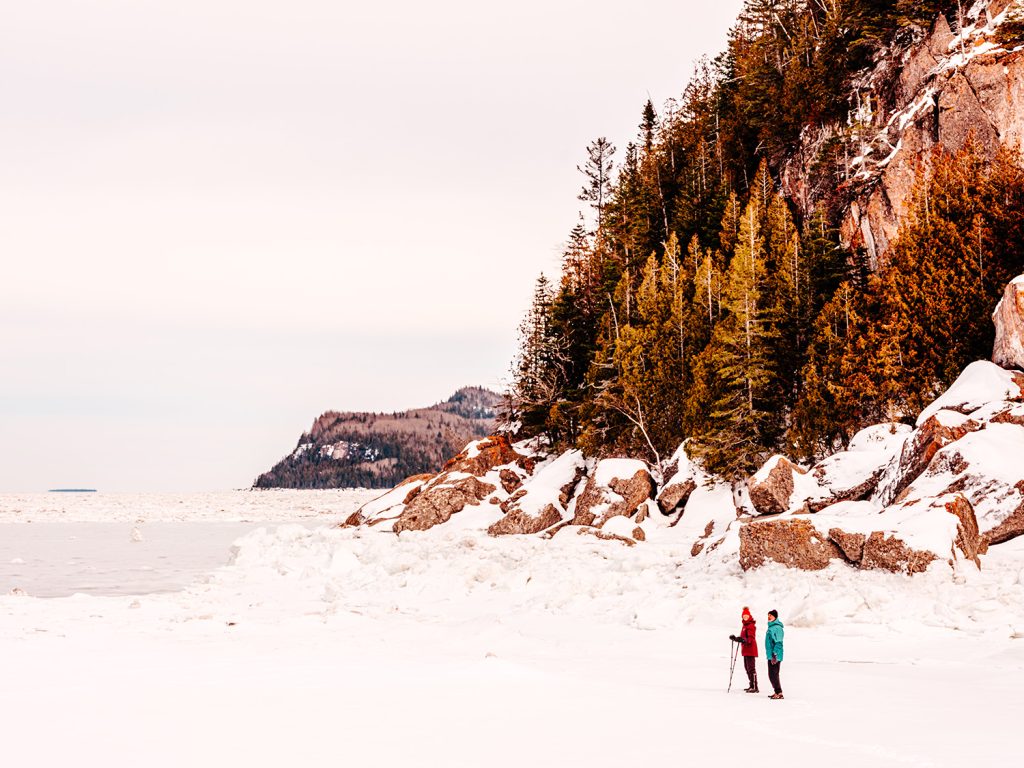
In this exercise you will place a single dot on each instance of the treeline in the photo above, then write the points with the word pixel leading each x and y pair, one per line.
pixel 701 304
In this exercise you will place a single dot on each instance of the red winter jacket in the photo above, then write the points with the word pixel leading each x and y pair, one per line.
pixel 748 638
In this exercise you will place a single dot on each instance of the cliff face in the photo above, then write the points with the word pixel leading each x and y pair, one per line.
pixel 377 450
pixel 937 90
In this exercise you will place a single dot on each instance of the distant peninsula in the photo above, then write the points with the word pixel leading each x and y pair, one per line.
pixel 72 490
pixel 379 450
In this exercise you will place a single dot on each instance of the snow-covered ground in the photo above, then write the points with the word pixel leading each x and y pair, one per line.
pixel 323 646
pixel 221 506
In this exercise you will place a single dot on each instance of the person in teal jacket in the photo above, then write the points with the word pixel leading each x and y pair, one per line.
pixel 773 650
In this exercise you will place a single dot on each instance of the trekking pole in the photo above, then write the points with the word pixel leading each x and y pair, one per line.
pixel 735 651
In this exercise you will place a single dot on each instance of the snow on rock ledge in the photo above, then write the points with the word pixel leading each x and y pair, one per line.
pixel 684 476
pixel 1008 351
pixel 935 433
pixel 987 468
pixel 980 383
pixel 543 500
pixel 772 488
pixel 616 487
pixel 902 541
pixel 854 474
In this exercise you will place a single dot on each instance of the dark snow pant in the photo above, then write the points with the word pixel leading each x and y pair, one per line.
pixel 773 675
pixel 750 664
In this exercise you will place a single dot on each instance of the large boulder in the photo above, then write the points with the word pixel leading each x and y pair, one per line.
pixel 901 540
pixel 543 499
pixel 684 476
pixel 616 487
pixel 854 474
pixel 940 429
pixel 890 553
pixel 1008 351
pixel 986 467
pixel 389 505
pixel 771 488
pixel 794 542
pixel 437 503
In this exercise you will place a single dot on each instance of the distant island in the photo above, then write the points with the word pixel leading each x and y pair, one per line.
pixel 72 490
pixel 379 450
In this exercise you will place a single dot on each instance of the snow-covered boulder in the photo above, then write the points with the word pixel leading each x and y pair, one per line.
pixel 544 499
pixel 854 474
pixel 617 487
pixel 903 539
pixel 980 383
pixel 474 475
pixel 940 429
pixel 389 505
pixel 481 456
pixel 437 503
pixel 771 488
pixel 987 468
pixel 1008 351
pixel 684 475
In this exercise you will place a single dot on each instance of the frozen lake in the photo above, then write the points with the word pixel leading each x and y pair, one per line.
pixel 60 559
pixel 317 645
pixel 59 544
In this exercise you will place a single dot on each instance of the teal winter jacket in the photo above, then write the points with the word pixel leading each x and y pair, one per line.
pixel 773 640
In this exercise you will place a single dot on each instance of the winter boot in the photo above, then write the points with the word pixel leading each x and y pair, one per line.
pixel 752 688
pixel 776 696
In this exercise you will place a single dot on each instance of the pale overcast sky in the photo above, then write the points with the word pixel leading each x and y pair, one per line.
pixel 220 218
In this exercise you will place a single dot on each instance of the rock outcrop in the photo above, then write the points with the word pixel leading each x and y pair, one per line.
pixel 617 487
pixel 854 474
pixel 543 500
pixel 940 90
pixel 795 543
pixel 1009 319
pixel 933 435
pixel 772 487
pixel 683 478
pixel 900 542
pixel 438 502
pixel 479 472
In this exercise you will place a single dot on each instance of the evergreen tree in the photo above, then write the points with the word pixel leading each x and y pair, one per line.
pixel 741 428
pixel 598 170
pixel 538 372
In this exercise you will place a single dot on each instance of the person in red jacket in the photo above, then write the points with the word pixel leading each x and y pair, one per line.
pixel 747 639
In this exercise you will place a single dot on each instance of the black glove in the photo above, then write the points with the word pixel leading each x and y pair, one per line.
pixel 734 638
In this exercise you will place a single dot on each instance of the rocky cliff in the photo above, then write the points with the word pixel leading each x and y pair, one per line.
pixel 378 450
pixel 961 79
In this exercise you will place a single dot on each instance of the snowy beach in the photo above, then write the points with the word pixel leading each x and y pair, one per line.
pixel 315 645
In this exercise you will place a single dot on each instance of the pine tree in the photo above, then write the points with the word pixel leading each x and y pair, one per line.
pixel 538 373
pixel 598 170
pixel 740 429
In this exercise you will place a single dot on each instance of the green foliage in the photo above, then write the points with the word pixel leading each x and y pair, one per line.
pixel 700 304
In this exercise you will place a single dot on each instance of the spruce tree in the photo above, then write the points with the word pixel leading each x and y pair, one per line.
pixel 740 428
